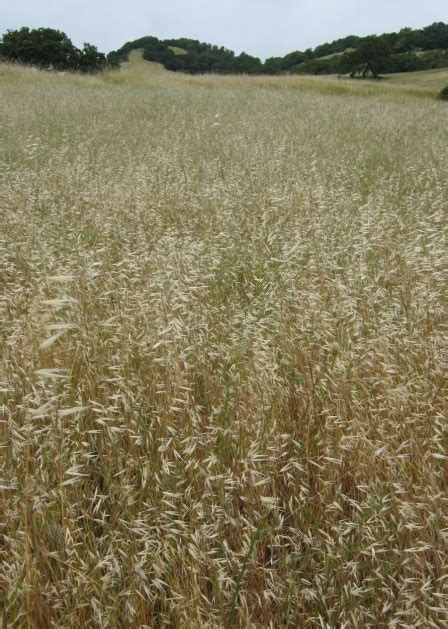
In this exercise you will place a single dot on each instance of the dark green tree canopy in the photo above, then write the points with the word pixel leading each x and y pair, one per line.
pixel 358 56
pixel 405 51
pixel 370 58
pixel 198 57
pixel 49 48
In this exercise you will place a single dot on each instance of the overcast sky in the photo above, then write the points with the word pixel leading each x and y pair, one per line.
pixel 259 27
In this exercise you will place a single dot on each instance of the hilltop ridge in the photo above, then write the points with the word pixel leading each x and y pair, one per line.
pixel 409 50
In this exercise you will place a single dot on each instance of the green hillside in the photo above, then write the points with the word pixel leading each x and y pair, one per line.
pixel 409 50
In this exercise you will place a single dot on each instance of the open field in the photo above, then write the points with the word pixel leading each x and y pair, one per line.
pixel 223 371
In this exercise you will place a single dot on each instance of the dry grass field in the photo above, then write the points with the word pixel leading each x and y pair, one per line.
pixel 430 80
pixel 224 351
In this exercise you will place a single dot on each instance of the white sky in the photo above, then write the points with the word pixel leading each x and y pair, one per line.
pixel 260 27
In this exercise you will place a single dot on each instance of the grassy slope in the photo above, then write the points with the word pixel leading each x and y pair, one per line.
pixel 139 68
pixel 140 72
pixel 424 84
pixel 178 51
pixel 246 421
pixel 430 80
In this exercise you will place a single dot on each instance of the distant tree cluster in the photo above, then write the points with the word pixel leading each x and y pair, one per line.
pixel 49 48
pixel 405 51
pixel 199 58
pixel 347 64
pixel 372 57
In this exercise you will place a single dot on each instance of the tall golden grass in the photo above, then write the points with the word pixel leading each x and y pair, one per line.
pixel 223 352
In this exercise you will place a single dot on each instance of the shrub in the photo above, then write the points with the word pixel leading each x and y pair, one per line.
pixel 444 93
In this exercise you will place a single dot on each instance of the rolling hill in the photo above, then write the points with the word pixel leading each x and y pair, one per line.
pixel 406 51
pixel 421 84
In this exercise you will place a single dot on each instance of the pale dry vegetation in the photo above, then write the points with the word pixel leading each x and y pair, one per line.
pixel 224 356
pixel 429 79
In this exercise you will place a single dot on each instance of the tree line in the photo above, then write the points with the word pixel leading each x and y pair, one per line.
pixel 50 48
pixel 405 51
